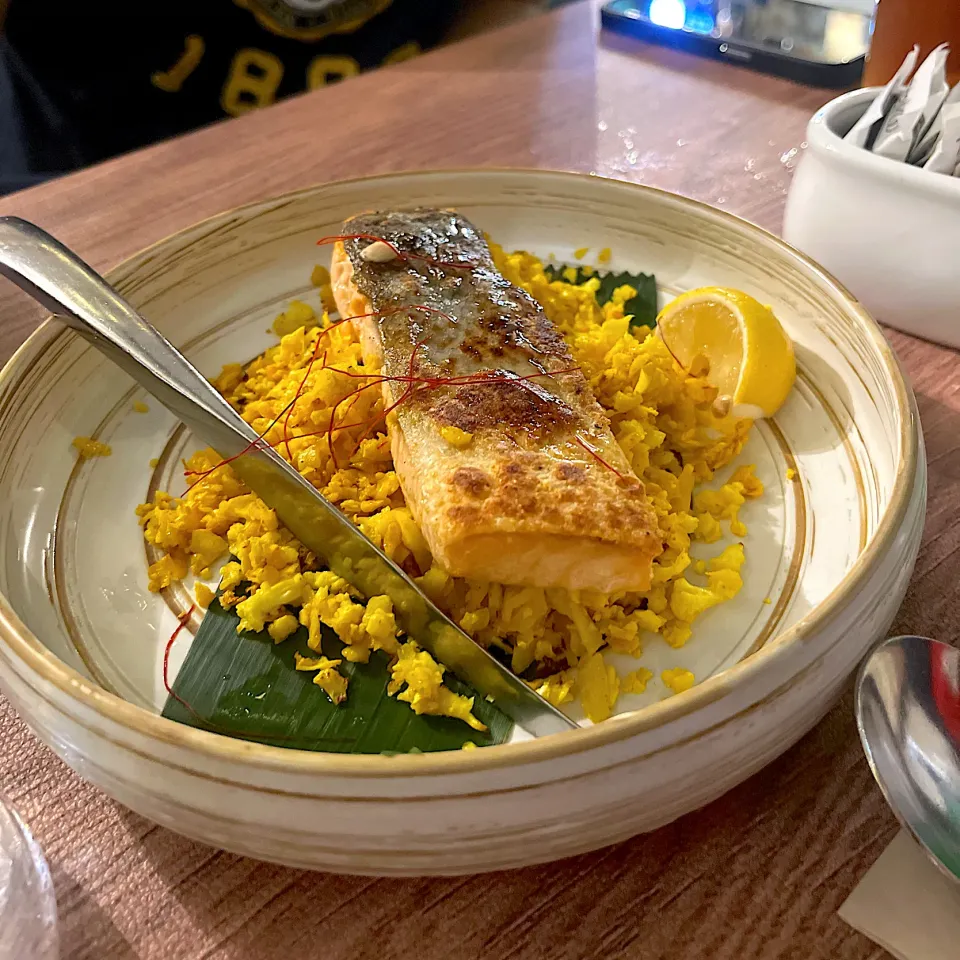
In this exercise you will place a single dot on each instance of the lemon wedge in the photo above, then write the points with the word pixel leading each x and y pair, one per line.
pixel 736 344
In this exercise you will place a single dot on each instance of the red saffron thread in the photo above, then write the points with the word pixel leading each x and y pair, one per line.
pixel 412 381
pixel 379 380
pixel 396 403
pixel 286 419
pixel 202 475
pixel 323 365
pixel 303 383
pixel 208 724
pixel 181 623
pixel 593 453
pixel 331 429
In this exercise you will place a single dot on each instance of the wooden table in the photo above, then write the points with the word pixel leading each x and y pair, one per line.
pixel 758 874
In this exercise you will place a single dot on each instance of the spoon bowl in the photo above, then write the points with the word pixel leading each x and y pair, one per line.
pixel 908 715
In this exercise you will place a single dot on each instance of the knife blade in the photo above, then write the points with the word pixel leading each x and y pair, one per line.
pixel 62 282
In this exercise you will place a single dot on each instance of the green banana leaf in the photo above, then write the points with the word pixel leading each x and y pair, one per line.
pixel 246 686
pixel 642 308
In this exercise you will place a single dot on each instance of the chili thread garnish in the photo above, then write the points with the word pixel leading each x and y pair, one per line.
pixel 255 442
pixel 593 453
pixel 413 384
pixel 208 724
pixel 331 429
pixel 323 365
pixel 203 474
pixel 306 376
pixel 396 403
pixel 181 623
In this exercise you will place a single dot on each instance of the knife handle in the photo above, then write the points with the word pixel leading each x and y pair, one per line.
pixel 56 277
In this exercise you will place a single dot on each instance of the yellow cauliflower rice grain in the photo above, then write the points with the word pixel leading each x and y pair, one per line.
pixel 557 639
pixel 204 595
pixel 321 278
pixel 298 314
pixel 327 677
pixel 417 678
pixel 636 681
pixel 87 447
pixel 678 679
pixel 598 686
pixel 456 437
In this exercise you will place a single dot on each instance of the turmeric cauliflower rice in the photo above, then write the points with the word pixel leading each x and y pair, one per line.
pixel 665 421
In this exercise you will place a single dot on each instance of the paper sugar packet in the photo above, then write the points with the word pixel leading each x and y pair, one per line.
pixel 909 119
pixel 946 152
pixel 864 131
pixel 906 905
pixel 915 120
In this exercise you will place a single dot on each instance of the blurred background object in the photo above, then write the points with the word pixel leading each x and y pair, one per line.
pixel 828 30
pixel 28 905
pixel 478 16
pixel 817 42
pixel 82 82
pixel 899 24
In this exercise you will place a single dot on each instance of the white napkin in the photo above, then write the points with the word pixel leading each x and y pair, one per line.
pixel 906 905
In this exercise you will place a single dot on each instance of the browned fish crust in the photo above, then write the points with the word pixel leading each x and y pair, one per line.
pixel 523 501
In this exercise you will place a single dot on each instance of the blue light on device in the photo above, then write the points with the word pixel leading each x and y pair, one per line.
pixel 668 13
pixel 701 21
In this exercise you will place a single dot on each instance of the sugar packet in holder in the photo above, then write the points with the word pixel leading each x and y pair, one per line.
pixel 905 126
pixel 927 140
pixel 864 131
pixel 945 156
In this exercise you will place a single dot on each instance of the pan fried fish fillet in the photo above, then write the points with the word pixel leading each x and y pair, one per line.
pixel 513 494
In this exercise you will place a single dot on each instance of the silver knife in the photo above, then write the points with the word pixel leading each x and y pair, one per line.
pixel 81 298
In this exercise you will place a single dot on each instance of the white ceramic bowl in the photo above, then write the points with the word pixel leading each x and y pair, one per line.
pixel 888 231
pixel 81 638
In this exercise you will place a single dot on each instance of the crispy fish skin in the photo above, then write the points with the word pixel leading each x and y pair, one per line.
pixel 523 502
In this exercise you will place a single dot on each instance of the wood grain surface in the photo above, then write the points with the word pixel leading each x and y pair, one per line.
pixel 758 874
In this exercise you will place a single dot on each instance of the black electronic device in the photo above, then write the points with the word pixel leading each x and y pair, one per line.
pixel 817 42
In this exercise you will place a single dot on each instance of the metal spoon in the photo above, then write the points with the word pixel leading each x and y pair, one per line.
pixel 908 715
pixel 82 299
